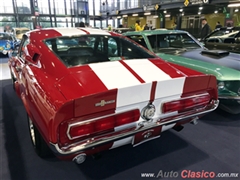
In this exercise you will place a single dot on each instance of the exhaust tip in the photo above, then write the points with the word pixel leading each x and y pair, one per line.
pixel 79 159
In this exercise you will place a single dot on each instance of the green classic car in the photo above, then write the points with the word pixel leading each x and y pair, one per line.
pixel 228 78
pixel 225 38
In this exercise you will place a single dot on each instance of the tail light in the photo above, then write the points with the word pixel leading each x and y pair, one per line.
pixel 186 103
pixel 96 127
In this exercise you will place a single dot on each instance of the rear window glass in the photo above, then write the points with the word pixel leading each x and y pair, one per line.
pixel 74 51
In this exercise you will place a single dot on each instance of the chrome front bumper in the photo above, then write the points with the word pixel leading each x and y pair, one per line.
pixel 85 146
pixel 229 97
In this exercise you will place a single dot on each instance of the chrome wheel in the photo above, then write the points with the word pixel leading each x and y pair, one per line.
pixel 38 142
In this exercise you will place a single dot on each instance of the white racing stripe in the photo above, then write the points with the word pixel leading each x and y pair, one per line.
pixel 136 94
pixel 78 31
pixel 147 70
pixel 114 75
pixel 96 31
pixel 130 89
pixel 166 127
pixel 69 31
pixel 122 142
pixel 170 88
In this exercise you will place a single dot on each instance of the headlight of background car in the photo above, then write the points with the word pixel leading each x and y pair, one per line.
pixel 221 85
pixel 8 45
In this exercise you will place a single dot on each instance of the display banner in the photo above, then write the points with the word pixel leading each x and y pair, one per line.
pixel 194 2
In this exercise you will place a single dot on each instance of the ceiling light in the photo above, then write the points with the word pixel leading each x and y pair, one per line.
pixel 215 12
pixel 147 13
pixel 199 12
pixel 181 10
pixel 200 8
pixel 236 10
pixel 156 16
pixel 167 15
pixel 182 14
pixel 134 14
pixel 234 5
pixel 164 12
pixel 119 17
pixel 125 15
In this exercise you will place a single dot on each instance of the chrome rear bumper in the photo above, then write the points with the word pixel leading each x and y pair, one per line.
pixel 85 146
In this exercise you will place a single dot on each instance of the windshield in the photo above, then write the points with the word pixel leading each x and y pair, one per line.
pixel 21 31
pixel 225 33
pixel 5 37
pixel 74 51
pixel 162 43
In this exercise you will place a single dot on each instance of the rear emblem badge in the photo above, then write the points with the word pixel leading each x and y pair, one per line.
pixel 146 136
pixel 103 103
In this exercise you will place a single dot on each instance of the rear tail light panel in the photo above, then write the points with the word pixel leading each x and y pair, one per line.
pixel 186 103
pixel 102 125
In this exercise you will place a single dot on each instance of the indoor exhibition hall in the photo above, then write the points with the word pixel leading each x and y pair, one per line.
pixel 119 89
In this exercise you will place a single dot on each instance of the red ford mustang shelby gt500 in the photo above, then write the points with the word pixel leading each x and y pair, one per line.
pixel 83 97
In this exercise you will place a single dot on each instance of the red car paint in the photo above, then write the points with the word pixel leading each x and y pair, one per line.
pixel 57 97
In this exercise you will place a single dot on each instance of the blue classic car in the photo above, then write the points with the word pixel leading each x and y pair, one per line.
pixel 8 42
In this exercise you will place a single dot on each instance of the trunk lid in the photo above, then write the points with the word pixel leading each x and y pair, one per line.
pixel 112 86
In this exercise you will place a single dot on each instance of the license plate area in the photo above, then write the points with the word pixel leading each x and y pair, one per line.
pixel 147 135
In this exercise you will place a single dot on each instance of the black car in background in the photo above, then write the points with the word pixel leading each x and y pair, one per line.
pixel 225 38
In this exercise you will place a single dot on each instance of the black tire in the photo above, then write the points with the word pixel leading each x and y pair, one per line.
pixel 13 81
pixel 38 142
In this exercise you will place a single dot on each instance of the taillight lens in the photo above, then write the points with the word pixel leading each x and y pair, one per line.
pixel 102 125
pixel 186 103
pixel 81 130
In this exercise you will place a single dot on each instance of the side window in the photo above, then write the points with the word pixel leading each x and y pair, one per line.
pixel 112 48
pixel 139 39
pixel 160 41
pixel 22 49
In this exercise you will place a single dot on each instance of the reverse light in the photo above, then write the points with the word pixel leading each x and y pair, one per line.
pixel 102 125
pixel 186 103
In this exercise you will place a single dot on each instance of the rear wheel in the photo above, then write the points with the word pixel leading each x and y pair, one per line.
pixel 38 142
pixel 13 81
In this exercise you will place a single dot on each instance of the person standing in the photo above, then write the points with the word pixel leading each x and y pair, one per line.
pixel 205 29
pixel 109 27
pixel 175 26
pixel 81 24
pixel 218 25
pixel 138 26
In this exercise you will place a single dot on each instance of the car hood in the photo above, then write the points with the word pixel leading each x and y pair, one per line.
pixel 102 86
pixel 3 42
pixel 223 58
pixel 222 73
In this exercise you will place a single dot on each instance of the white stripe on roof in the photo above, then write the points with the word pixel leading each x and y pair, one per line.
pixel 78 31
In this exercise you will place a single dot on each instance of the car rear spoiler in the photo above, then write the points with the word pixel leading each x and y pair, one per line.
pixel 216 53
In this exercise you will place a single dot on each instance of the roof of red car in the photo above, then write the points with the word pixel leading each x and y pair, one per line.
pixel 46 33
